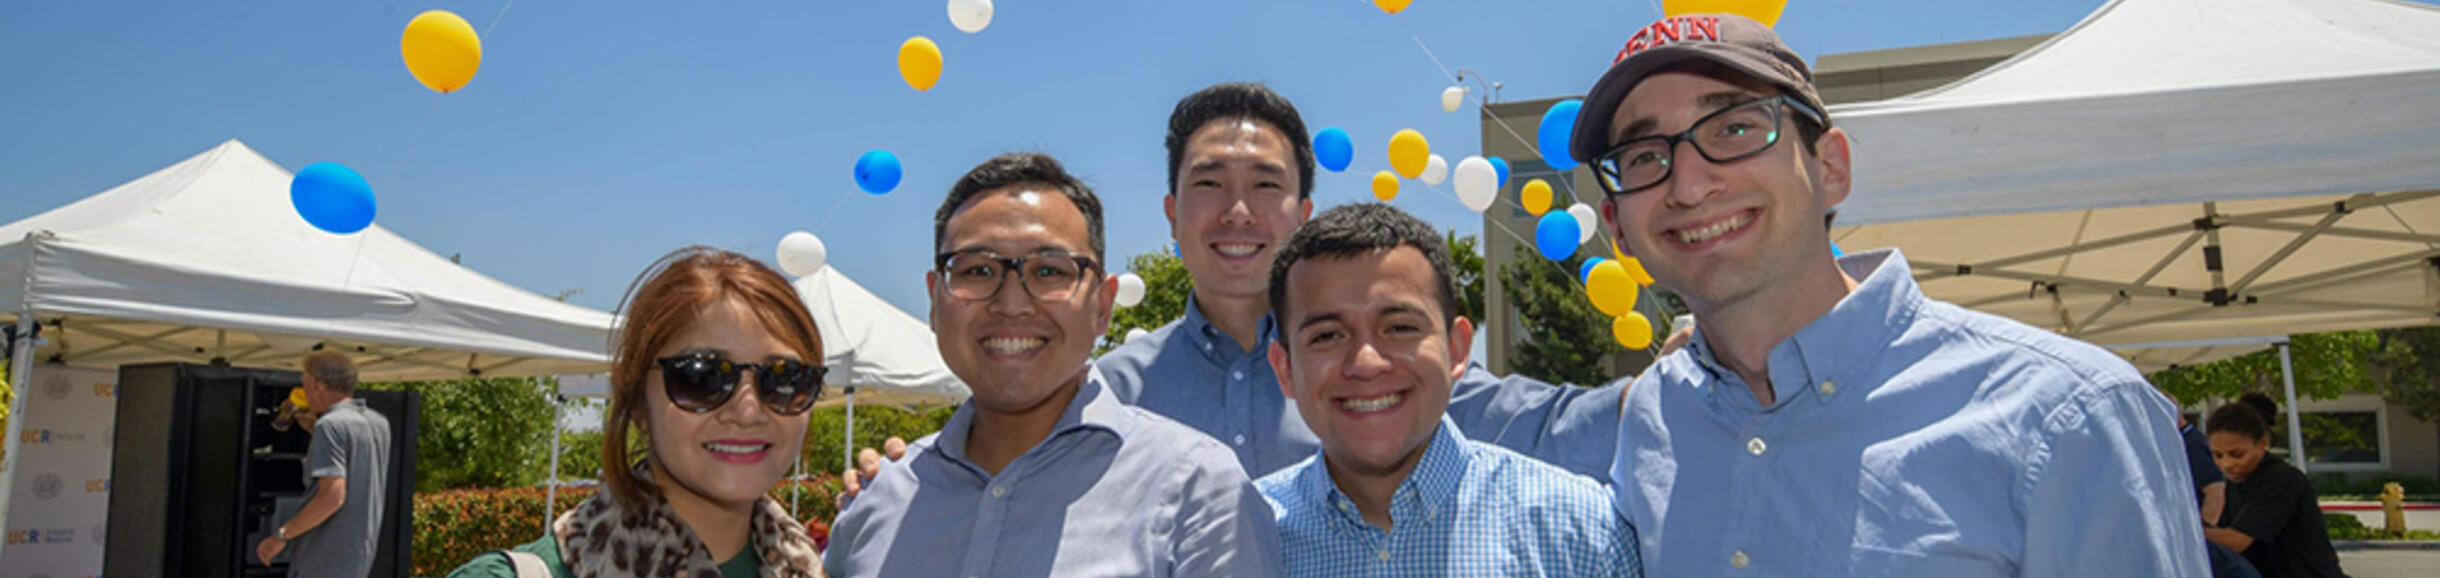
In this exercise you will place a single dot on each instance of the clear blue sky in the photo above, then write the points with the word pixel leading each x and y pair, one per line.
pixel 600 135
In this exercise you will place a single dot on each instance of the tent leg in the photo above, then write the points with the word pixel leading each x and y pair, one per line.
pixel 550 496
pixel 850 450
pixel 21 365
pixel 2287 375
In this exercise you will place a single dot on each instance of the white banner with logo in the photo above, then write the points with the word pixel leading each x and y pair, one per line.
pixel 62 496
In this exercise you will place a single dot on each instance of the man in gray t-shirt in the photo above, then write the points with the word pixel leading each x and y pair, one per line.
pixel 334 532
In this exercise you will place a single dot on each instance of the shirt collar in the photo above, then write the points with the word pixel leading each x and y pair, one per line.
pixel 1218 344
pixel 1429 487
pixel 1092 409
pixel 1846 338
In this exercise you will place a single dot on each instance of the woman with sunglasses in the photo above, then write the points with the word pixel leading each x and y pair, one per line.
pixel 714 365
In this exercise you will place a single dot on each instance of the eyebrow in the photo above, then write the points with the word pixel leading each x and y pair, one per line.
pixel 1641 126
pixel 1267 167
pixel 1315 319
pixel 1401 308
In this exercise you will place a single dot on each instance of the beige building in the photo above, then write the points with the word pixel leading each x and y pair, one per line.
pixel 2381 438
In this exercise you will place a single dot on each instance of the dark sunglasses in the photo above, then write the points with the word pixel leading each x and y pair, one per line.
pixel 704 381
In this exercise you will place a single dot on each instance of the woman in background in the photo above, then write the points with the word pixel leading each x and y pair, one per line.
pixel 715 363
pixel 2273 515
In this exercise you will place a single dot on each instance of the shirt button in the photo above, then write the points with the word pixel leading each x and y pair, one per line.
pixel 1237 375
pixel 1385 553
pixel 1828 387
pixel 999 491
pixel 1739 560
pixel 1241 439
pixel 1756 446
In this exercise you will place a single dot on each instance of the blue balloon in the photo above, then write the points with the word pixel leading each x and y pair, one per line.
pixel 332 198
pixel 1500 165
pixel 1333 149
pixel 1585 273
pixel 1559 125
pixel 1556 235
pixel 1835 252
pixel 877 172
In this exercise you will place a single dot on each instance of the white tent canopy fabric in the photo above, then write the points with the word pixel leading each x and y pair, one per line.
pixel 2174 170
pixel 875 347
pixel 207 259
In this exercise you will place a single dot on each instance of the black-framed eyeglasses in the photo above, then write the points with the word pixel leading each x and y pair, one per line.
pixel 976 274
pixel 703 381
pixel 1726 135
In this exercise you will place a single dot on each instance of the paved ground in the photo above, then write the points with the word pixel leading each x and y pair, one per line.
pixel 2390 563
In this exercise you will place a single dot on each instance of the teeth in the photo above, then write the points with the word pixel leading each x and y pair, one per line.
pixel 1236 249
pixel 1715 230
pixel 736 449
pixel 1012 345
pixel 1372 405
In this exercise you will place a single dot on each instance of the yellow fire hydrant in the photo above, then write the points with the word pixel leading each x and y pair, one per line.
pixel 2393 509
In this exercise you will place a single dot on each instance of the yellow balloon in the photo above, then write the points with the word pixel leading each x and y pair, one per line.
pixel 1764 11
pixel 1612 290
pixel 1635 269
pixel 919 62
pixel 1632 330
pixel 441 50
pixel 1409 153
pixel 1537 197
pixel 1385 186
pixel 1392 6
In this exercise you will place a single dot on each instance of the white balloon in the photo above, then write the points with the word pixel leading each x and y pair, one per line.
pixel 801 254
pixel 1130 290
pixel 1134 333
pixel 1435 171
pixel 970 16
pixel 1451 98
pixel 1586 221
pixel 1477 183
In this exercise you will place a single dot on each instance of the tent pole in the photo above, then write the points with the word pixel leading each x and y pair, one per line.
pixel 20 366
pixel 550 497
pixel 850 450
pixel 2287 374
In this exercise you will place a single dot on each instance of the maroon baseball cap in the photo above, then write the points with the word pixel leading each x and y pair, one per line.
pixel 1735 42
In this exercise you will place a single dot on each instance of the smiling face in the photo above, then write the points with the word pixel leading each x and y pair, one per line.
pixel 1236 203
pixel 2237 454
pixel 1014 351
pixel 734 453
pixel 1719 233
pixel 1369 356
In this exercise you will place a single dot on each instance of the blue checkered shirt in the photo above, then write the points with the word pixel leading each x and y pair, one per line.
pixel 1467 509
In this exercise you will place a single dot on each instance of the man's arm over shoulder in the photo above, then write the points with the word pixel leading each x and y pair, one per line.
pixel 2109 493
pixel 1575 428
pixel 1225 526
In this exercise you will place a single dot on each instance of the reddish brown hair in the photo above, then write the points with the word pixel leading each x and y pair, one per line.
pixel 662 303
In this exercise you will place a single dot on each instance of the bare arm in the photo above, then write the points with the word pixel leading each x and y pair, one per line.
pixel 2215 498
pixel 328 495
pixel 2233 540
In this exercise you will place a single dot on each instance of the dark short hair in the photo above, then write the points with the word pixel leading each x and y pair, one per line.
pixel 1349 230
pixel 335 371
pixel 1017 169
pixel 1240 100
pixel 2242 419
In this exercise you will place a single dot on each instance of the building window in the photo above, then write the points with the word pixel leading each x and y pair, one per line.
pixel 2337 438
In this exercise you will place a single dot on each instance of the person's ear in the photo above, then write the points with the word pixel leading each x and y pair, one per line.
pixel 1837 167
pixel 1618 232
pixel 1278 355
pixel 1461 346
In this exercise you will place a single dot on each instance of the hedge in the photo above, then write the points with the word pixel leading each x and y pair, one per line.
pixel 454 526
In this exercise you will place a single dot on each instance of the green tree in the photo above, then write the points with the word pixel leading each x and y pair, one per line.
pixel 826 429
pixel 480 432
pixel 2407 370
pixel 1565 338
pixel 1466 258
pixel 1166 285
pixel 2326 364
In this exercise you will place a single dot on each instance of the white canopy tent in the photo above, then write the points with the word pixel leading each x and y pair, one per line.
pixel 207 261
pixel 2169 171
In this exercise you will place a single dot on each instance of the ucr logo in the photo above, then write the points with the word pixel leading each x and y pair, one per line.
pixel 97 485
pixel 105 389
pixel 22 537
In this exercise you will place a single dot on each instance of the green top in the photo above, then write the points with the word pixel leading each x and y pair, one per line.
pixel 493 565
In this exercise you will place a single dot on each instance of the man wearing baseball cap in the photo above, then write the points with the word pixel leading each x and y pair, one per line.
pixel 1827 419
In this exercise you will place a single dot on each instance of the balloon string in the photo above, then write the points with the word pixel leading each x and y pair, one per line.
pixel 495 19
pixel 834 210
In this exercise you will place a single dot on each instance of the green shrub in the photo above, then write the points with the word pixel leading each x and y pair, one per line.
pixel 454 526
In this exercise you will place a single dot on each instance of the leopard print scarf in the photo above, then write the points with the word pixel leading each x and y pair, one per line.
pixel 599 539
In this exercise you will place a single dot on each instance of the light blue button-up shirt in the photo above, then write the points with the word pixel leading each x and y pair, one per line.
pixel 1909 438
pixel 1467 509
pixel 1191 372
pixel 1113 491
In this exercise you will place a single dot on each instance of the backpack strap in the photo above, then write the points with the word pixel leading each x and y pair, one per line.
pixel 528 565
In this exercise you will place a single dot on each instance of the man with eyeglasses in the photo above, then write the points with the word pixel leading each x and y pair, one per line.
pixel 1044 472
pixel 1826 419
